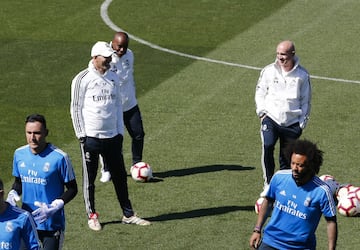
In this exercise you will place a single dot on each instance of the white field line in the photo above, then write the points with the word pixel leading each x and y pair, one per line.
pixel 104 15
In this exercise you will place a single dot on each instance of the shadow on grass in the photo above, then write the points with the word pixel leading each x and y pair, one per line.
pixel 200 213
pixel 193 214
pixel 199 170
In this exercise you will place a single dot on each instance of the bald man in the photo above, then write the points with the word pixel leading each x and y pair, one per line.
pixel 282 97
pixel 123 65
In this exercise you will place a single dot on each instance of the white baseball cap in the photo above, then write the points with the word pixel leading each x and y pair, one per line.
pixel 101 49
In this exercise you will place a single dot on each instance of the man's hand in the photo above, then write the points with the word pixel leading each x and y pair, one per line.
pixel 255 240
pixel 12 197
pixel 82 139
pixel 45 211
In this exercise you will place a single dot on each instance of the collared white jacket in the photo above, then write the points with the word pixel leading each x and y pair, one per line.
pixel 284 96
pixel 96 109
pixel 124 68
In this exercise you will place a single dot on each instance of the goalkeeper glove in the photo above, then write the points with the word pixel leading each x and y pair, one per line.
pixel 45 210
pixel 12 197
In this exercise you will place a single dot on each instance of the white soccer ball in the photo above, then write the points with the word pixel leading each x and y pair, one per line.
pixel 258 204
pixel 325 177
pixel 343 190
pixel 331 182
pixel 349 206
pixel 141 172
pixel 355 191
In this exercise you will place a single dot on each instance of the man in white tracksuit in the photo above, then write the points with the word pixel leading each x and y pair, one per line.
pixel 97 117
pixel 282 97
pixel 123 65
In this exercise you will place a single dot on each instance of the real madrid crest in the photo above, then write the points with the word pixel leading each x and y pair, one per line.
pixel 46 167
pixel 9 226
pixel 307 201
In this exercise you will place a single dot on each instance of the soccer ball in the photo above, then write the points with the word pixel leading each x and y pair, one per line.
pixel 331 182
pixel 343 190
pixel 326 177
pixel 258 204
pixel 349 206
pixel 141 172
pixel 354 191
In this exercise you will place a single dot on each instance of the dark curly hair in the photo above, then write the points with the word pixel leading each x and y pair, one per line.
pixel 314 156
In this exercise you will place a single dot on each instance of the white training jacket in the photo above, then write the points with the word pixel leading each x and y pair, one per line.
pixel 96 109
pixel 124 68
pixel 284 96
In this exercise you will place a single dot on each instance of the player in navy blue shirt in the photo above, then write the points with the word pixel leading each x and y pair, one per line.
pixel 16 226
pixel 298 199
pixel 42 172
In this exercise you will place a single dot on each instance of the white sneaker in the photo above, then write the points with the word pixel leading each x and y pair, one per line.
pixel 135 220
pixel 264 192
pixel 93 222
pixel 105 176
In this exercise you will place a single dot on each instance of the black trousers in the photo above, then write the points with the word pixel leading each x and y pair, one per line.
pixel 271 132
pixel 134 125
pixel 111 151
pixel 49 240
